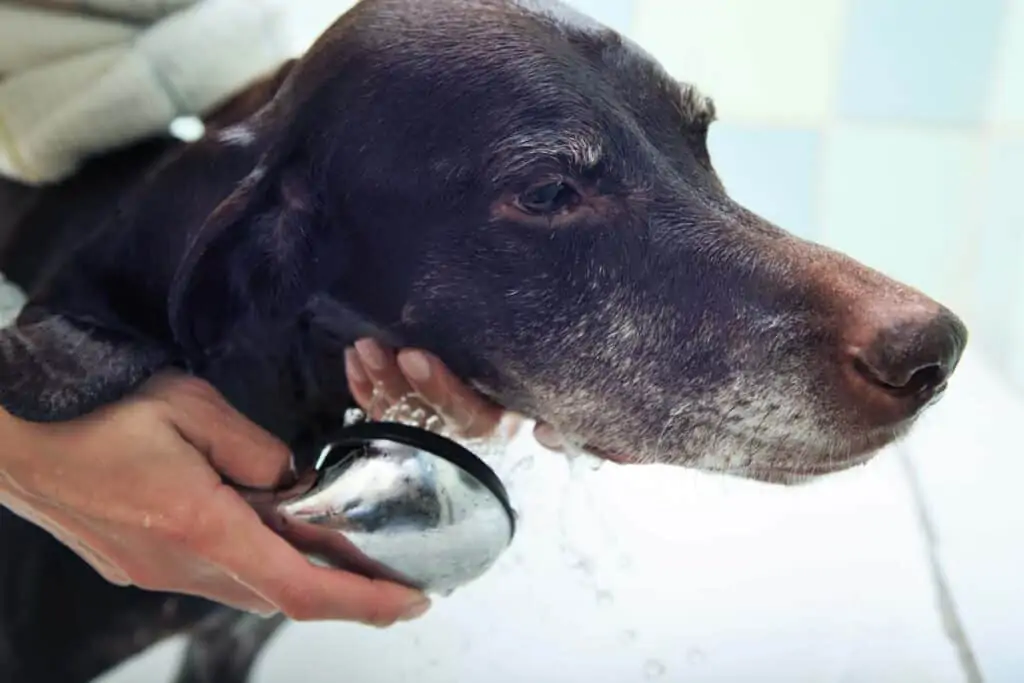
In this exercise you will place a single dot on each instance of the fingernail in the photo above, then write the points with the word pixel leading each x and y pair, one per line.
pixel 372 354
pixel 415 365
pixel 353 368
pixel 416 611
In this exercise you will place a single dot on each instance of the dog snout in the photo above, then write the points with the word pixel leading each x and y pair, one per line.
pixel 899 357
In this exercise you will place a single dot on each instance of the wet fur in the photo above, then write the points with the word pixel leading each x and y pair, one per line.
pixel 369 189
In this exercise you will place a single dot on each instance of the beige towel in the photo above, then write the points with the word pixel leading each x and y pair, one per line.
pixel 78 77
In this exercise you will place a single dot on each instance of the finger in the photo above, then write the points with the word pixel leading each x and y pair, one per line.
pixel 246 601
pixel 235 446
pixel 463 409
pixel 358 381
pixel 285 578
pixel 389 384
pixel 548 437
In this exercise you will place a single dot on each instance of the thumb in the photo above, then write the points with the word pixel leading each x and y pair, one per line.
pixel 235 446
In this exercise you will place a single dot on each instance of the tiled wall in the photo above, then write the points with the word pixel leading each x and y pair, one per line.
pixel 890 129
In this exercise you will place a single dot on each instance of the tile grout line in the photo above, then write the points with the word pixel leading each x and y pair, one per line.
pixel 951 622
pixel 832 118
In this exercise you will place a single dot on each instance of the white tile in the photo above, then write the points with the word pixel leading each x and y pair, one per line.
pixel 968 456
pixel 639 574
pixel 763 60
pixel 998 312
pixel 647 574
pixel 11 301
pixel 617 14
pixel 1006 106
pixel 307 19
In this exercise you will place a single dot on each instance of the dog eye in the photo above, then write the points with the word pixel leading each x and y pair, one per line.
pixel 550 197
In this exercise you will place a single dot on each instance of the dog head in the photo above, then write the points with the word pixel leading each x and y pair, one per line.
pixel 530 196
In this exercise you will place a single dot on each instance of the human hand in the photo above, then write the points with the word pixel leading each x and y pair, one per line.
pixel 136 490
pixel 379 378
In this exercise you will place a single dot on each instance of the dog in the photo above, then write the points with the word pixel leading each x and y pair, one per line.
pixel 505 183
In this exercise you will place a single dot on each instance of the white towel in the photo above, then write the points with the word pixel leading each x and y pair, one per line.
pixel 78 77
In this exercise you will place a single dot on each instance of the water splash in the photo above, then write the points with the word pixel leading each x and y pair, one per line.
pixel 580 487
pixel 581 462
pixel 493 449
pixel 654 669
pixel 409 410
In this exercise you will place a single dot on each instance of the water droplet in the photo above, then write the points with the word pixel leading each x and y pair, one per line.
pixel 653 669
pixel 628 636
pixel 604 597
pixel 581 564
pixel 580 462
pixel 354 416
pixel 524 464
pixel 695 655
pixel 407 410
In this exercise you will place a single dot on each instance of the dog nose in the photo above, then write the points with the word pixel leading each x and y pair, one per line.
pixel 905 358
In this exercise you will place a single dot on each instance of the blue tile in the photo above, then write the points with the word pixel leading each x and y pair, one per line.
pixel 999 284
pixel 904 201
pixel 771 171
pixel 1007 100
pixel 919 60
pixel 617 14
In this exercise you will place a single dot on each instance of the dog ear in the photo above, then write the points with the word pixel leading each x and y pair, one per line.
pixel 83 341
pixel 255 261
